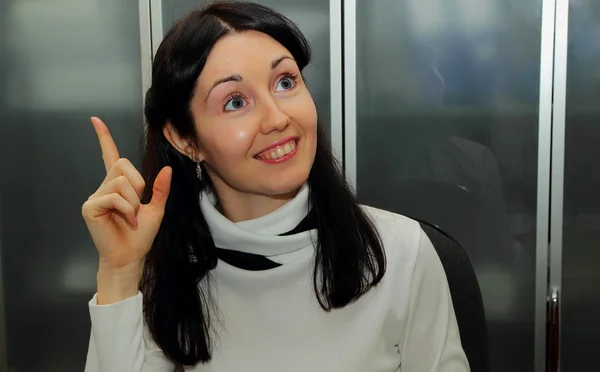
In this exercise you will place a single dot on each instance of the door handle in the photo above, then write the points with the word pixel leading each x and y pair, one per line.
pixel 553 326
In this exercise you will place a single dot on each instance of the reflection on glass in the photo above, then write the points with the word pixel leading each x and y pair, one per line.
pixel 581 219
pixel 449 95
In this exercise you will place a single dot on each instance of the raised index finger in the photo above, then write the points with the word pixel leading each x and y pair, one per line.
pixel 110 154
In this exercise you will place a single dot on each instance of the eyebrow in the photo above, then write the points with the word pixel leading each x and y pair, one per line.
pixel 238 78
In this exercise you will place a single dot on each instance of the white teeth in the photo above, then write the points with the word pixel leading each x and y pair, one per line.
pixel 279 151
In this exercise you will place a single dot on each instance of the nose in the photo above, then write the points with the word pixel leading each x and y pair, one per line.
pixel 275 118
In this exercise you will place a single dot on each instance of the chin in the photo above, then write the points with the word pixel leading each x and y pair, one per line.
pixel 285 185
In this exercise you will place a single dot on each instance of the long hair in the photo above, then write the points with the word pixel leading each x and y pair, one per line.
pixel 349 257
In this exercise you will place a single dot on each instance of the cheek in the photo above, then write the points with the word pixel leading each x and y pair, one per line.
pixel 302 110
pixel 242 135
pixel 231 142
pixel 309 116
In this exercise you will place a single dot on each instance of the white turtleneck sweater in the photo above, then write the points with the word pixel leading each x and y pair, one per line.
pixel 271 321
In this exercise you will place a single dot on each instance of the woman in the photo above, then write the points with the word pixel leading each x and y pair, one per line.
pixel 242 247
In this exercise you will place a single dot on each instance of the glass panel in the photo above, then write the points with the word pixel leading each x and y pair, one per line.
pixel 3 77
pixel 60 63
pixel 447 133
pixel 581 231
pixel 312 17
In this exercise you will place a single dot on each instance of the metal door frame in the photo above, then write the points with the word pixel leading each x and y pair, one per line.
pixel 543 180
pixel 551 127
pixel 561 41
pixel 3 337
pixel 145 45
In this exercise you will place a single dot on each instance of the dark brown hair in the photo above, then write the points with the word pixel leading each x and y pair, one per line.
pixel 349 255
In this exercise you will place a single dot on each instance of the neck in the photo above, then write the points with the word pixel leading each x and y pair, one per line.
pixel 239 206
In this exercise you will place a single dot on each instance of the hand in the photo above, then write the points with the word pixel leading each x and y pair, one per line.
pixel 122 228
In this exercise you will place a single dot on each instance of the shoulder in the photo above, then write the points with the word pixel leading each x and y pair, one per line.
pixel 400 235
pixel 414 281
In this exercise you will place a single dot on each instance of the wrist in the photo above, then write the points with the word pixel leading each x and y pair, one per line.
pixel 115 285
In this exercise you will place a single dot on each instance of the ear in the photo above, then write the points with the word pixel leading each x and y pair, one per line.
pixel 183 145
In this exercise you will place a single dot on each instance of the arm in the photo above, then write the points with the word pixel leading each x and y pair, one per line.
pixel 432 340
pixel 123 230
pixel 118 342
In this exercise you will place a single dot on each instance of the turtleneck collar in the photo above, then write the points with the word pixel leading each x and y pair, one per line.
pixel 261 235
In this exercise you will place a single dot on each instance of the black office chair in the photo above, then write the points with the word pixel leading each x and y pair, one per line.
pixel 450 214
pixel 455 211
pixel 466 297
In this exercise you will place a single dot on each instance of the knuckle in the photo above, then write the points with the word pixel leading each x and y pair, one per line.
pixel 122 180
pixel 129 209
pixel 114 198
pixel 122 163
pixel 141 184
pixel 84 209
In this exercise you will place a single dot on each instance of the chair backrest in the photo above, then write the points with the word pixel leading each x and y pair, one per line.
pixel 454 210
pixel 466 297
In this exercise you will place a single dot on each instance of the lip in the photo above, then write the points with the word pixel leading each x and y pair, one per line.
pixel 278 143
pixel 284 158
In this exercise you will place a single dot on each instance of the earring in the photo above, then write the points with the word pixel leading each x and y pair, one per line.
pixel 198 168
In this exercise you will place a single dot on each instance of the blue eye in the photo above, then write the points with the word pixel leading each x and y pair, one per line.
pixel 235 103
pixel 285 83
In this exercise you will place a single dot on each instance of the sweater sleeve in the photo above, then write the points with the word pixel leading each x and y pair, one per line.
pixel 118 342
pixel 432 340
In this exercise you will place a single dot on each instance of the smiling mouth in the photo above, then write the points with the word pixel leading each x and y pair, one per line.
pixel 278 152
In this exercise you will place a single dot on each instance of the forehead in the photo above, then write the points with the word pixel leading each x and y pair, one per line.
pixel 238 53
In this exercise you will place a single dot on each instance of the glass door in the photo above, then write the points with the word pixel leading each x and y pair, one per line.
pixel 60 63
pixel 576 228
pixel 449 130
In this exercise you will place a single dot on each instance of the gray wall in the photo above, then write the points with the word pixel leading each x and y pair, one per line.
pixel 61 62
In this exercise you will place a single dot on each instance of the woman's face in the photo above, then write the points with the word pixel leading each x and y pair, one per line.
pixel 255 118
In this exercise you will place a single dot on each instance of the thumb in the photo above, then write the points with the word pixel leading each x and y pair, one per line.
pixel 161 188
